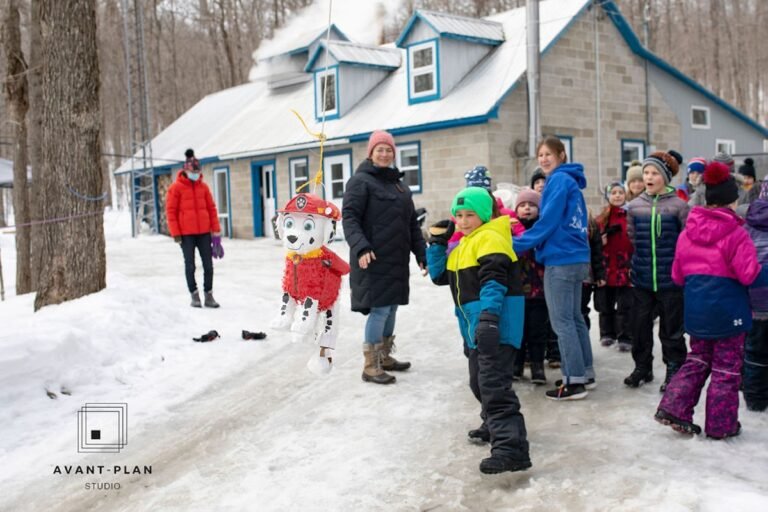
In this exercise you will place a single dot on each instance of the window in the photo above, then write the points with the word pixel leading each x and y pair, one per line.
pixel 327 93
pixel 567 141
pixel 299 173
pixel 700 117
pixel 631 150
pixel 725 146
pixel 336 172
pixel 221 197
pixel 422 71
pixel 409 162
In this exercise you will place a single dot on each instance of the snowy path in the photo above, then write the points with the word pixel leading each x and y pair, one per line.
pixel 237 425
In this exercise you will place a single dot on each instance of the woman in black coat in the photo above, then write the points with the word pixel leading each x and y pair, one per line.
pixel 381 229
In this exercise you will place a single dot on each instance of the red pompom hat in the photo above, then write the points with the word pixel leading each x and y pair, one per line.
pixel 312 204
pixel 722 189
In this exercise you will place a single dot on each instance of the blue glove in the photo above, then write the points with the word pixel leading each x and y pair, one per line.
pixel 216 249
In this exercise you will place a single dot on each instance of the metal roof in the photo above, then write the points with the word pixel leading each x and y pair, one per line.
pixel 302 41
pixel 357 54
pixel 449 25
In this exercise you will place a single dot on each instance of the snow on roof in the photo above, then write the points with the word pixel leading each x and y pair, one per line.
pixel 459 26
pixel 302 41
pixel 251 120
pixel 355 53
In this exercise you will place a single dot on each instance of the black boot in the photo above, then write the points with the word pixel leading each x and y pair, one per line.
pixel 678 425
pixel 638 377
pixel 480 435
pixel 498 464
pixel 672 369
pixel 537 373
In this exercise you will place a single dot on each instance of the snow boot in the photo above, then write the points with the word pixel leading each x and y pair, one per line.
pixel 671 371
pixel 568 392
pixel 638 377
pixel 537 373
pixel 607 341
pixel 389 363
pixel 480 435
pixel 196 300
pixel 209 301
pixel 498 464
pixel 372 371
pixel 678 425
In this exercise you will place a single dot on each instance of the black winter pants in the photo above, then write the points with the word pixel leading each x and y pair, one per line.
pixel 203 245
pixel 614 303
pixel 535 332
pixel 490 379
pixel 670 309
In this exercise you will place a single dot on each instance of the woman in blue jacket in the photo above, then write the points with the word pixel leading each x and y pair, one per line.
pixel 560 241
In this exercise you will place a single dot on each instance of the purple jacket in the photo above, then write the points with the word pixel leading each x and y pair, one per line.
pixel 757 227
pixel 716 261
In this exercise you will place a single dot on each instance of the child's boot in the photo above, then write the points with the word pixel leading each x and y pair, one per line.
pixel 499 464
pixel 389 363
pixel 195 300
pixel 537 373
pixel 372 371
pixel 638 377
pixel 672 369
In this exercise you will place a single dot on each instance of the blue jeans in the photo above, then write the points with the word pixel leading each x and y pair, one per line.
pixel 562 290
pixel 381 322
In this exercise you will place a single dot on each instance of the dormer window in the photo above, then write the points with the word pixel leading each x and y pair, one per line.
pixel 423 83
pixel 327 93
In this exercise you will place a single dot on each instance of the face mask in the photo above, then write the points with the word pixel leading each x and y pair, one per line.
pixel 193 176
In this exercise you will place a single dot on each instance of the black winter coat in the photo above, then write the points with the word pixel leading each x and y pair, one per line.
pixel 378 215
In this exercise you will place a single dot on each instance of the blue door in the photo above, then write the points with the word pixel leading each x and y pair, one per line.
pixel 264 197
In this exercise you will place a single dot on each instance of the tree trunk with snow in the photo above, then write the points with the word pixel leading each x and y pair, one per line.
pixel 15 90
pixel 73 255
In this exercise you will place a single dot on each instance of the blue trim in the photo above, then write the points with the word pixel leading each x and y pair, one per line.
pixel 569 138
pixel 160 171
pixel 337 153
pixel 367 66
pixel 318 114
pixel 296 51
pixel 400 144
pixel 472 39
pixel 258 217
pixel 310 63
pixel 621 155
pixel 157 201
pixel 225 168
pixel 436 59
pixel 636 46
pixel 291 181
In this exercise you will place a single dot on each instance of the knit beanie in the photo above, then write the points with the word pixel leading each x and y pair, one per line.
pixel 380 137
pixel 696 164
pixel 609 188
pixel 721 189
pixel 538 174
pixel 724 158
pixel 478 176
pixel 475 199
pixel 527 195
pixel 666 163
pixel 748 169
pixel 635 171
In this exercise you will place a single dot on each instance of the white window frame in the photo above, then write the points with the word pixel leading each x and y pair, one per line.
pixel 295 183
pixel 633 144
pixel 417 168
pixel 701 126
pixel 422 70
pixel 222 214
pixel 320 105
pixel 729 142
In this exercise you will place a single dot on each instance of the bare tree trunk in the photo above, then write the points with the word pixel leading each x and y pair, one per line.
pixel 15 89
pixel 35 135
pixel 74 260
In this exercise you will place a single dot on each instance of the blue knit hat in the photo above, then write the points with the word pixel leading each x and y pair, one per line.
pixel 478 176
pixel 697 164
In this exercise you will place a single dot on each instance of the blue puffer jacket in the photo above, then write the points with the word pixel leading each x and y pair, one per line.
pixel 757 226
pixel 654 223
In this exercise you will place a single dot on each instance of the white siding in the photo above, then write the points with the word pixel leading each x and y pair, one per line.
pixel 456 59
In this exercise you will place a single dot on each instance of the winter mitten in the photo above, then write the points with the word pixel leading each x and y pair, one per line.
pixel 209 336
pixel 217 250
pixel 253 335
pixel 440 232
pixel 487 334
pixel 177 239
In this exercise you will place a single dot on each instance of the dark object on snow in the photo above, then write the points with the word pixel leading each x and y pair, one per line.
pixel 189 153
pixel 209 336
pixel 253 335
pixel 499 464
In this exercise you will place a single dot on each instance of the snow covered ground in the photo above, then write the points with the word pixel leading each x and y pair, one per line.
pixel 236 425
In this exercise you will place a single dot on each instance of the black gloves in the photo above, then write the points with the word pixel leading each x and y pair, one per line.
pixel 441 232
pixel 487 335
pixel 613 228
pixel 253 335
pixel 209 336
